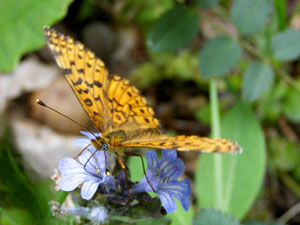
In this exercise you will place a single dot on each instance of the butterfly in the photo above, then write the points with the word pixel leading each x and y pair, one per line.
pixel 115 107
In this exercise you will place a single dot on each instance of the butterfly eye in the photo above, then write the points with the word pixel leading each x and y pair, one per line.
pixel 104 147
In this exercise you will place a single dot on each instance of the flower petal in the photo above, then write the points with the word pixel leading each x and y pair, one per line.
pixel 72 174
pixel 95 161
pixel 86 156
pixel 111 183
pixel 178 189
pixel 142 186
pixel 100 159
pixel 82 142
pixel 168 155
pixel 89 188
pixel 173 169
pixel 152 160
pixel 167 201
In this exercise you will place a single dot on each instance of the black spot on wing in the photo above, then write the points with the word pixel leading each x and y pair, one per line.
pixel 88 102
pixel 89 84
pixel 67 71
pixel 78 82
pixel 80 70
pixel 98 84
pixel 86 91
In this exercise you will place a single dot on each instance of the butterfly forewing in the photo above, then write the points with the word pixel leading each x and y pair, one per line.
pixel 110 103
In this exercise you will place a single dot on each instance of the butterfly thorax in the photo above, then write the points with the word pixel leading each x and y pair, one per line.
pixel 100 143
pixel 110 142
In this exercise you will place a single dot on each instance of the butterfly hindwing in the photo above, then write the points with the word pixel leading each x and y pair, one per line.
pixel 184 143
pixel 128 106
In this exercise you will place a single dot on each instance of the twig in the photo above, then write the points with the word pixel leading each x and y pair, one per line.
pixel 287 130
pixel 289 214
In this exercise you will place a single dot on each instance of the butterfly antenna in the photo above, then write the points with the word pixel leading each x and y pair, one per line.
pixel 38 101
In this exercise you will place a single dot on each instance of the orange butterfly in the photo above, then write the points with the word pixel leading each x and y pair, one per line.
pixel 116 108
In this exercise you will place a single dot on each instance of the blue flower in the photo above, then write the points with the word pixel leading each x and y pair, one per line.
pixel 83 142
pixel 94 174
pixel 99 214
pixel 163 177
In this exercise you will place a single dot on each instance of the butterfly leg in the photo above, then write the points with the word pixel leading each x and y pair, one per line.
pixel 84 167
pixel 125 171
pixel 141 157
pixel 82 151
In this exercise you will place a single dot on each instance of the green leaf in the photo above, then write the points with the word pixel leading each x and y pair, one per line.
pixel 180 216
pixel 21 27
pixel 148 11
pixel 145 75
pixel 15 216
pixel 270 105
pixel 291 107
pixel 283 154
pixel 213 217
pixel 205 4
pixel 218 56
pixel 257 79
pixel 251 16
pixel 175 29
pixel 149 221
pixel 285 45
pixel 261 223
pixel 242 174
pixel 136 168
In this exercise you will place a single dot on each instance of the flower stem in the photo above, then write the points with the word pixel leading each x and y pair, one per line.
pixel 215 124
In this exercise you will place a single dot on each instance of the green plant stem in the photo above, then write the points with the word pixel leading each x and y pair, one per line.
pixel 280 9
pixel 290 183
pixel 216 133
pixel 214 107
pixel 61 197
